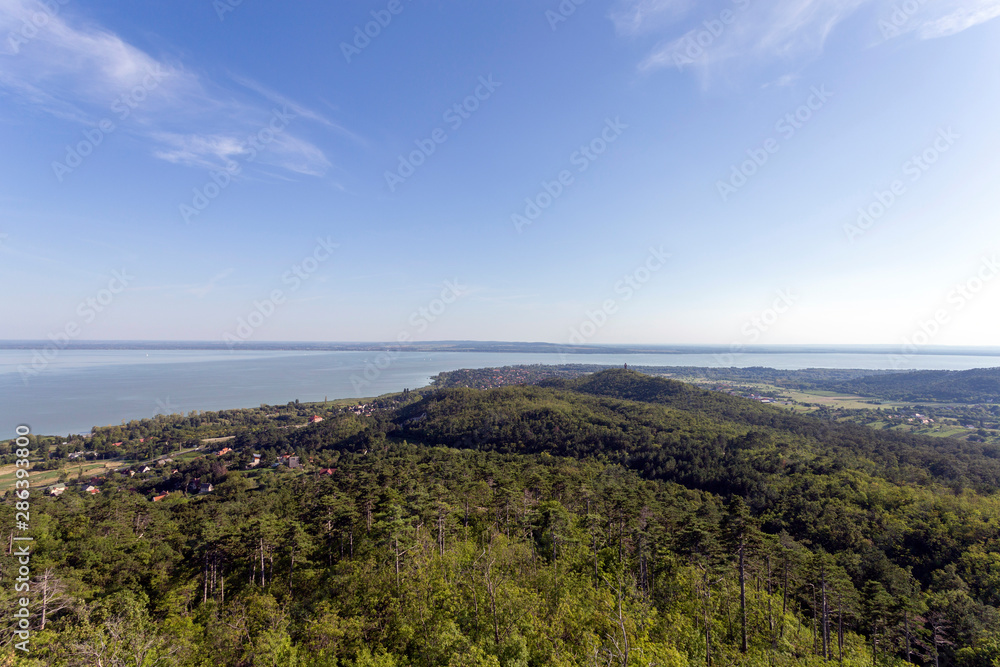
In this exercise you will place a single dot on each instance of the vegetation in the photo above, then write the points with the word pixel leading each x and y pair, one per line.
pixel 612 519
pixel 979 385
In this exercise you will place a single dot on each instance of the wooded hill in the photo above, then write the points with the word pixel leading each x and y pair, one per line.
pixel 613 519
pixel 979 385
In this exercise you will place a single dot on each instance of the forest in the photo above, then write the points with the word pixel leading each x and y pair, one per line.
pixel 607 519
pixel 978 385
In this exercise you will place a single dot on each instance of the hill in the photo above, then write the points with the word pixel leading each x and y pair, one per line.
pixel 979 385
pixel 614 518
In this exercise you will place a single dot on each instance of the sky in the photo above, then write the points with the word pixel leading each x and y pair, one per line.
pixel 630 171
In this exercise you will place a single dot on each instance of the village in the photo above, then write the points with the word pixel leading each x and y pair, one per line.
pixel 166 470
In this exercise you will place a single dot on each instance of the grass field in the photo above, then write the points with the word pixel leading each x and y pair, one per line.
pixel 84 470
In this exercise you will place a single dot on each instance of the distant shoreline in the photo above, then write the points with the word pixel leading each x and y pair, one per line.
pixel 492 347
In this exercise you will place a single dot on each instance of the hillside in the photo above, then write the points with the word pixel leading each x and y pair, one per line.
pixel 979 385
pixel 614 518
pixel 617 413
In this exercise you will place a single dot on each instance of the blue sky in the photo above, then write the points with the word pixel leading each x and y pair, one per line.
pixel 636 171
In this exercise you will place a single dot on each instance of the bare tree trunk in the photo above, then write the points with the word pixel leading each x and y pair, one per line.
pixel 743 601
pixel 840 626
pixel 906 629
pixel 784 596
pixel 396 542
pixel 708 627
pixel 826 617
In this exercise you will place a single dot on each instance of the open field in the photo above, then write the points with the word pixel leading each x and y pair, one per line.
pixel 83 470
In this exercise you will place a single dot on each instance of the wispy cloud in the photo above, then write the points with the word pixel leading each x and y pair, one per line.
pixel 634 17
pixel 745 33
pixel 750 33
pixel 81 73
pixel 955 17
pixel 202 290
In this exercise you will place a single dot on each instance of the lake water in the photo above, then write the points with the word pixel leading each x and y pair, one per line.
pixel 79 389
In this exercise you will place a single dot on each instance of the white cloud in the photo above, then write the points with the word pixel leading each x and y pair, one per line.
pixel 959 16
pixel 753 33
pixel 81 73
pixel 637 16
pixel 785 31
pixel 198 150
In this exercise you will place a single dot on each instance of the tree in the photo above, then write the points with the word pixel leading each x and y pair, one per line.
pixel 51 596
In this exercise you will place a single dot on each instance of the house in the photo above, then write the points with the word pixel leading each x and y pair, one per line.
pixel 315 419
pixel 327 471
pixel 205 488
pixel 55 489
pixel 256 461
pixel 223 451
pixel 160 497
pixel 293 462
pixel 90 488
pixel 116 444
pixel 145 469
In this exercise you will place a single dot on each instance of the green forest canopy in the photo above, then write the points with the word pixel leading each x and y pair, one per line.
pixel 609 519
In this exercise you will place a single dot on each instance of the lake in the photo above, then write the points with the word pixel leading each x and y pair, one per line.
pixel 79 389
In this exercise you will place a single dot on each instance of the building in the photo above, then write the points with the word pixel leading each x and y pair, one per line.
pixel 55 489
pixel 293 462
pixel 255 460
pixel 315 419
pixel 205 488
pixel 160 497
